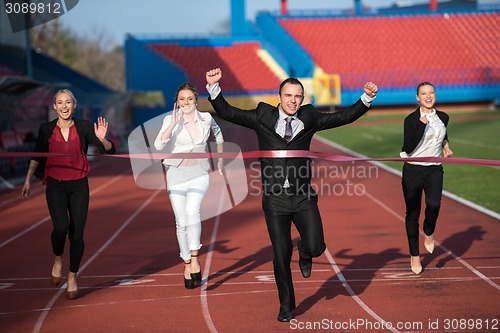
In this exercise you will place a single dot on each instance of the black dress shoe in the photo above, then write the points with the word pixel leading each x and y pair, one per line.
pixel 305 266
pixel 285 316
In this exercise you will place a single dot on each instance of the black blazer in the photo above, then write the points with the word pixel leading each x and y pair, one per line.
pixel 85 131
pixel 414 129
pixel 263 119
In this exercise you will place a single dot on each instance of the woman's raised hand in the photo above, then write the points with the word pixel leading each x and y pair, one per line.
pixel 101 128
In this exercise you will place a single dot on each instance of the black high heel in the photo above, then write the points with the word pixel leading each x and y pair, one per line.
pixel 196 277
pixel 188 283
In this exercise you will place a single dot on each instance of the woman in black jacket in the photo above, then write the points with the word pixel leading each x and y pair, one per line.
pixel 64 172
pixel 424 136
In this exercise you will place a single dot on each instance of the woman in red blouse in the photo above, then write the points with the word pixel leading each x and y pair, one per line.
pixel 65 176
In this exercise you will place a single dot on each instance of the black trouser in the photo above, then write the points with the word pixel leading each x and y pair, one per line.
pixel 280 211
pixel 68 203
pixel 415 179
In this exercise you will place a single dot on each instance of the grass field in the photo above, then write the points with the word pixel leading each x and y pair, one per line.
pixel 471 135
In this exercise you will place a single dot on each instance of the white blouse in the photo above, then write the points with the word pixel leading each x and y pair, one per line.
pixel 431 143
pixel 180 141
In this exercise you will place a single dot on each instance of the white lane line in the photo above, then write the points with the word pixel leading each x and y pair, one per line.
pixel 116 276
pixel 401 218
pixel 46 218
pixel 105 303
pixel 25 231
pixel 351 292
pixel 450 195
pixel 384 129
pixel 17 197
pixel 475 143
pixel 43 315
pixel 372 137
pixel 463 262
pixel 121 302
pixel 243 272
pixel 206 272
pixel 39 188
pixel 470 267
pixel 388 279
pixel 399 274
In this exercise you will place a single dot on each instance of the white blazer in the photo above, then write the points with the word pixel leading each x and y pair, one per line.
pixel 181 142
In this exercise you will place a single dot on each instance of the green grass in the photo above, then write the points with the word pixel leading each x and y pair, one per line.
pixel 471 135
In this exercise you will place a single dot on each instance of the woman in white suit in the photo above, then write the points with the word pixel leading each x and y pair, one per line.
pixel 186 130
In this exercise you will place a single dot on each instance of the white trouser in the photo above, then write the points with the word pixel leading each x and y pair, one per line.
pixel 186 188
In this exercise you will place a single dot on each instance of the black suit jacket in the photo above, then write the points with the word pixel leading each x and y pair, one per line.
pixel 414 129
pixel 263 119
pixel 85 131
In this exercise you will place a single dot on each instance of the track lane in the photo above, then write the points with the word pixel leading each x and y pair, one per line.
pixel 135 284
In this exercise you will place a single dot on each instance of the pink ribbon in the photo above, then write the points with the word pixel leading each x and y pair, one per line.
pixel 273 154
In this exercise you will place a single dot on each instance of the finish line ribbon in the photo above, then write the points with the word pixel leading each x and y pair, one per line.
pixel 271 154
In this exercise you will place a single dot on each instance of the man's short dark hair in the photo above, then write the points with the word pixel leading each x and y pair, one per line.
pixel 291 80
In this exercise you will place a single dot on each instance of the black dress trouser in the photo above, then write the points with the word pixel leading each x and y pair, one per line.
pixel 280 211
pixel 68 203
pixel 418 178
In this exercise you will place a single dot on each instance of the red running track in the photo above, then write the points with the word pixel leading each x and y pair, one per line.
pixel 131 275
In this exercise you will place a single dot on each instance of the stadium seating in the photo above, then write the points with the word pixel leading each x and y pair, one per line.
pixel 243 70
pixel 14 141
pixel 7 71
pixel 10 139
pixel 400 51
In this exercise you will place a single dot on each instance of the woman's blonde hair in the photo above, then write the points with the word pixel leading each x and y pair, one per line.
pixel 65 91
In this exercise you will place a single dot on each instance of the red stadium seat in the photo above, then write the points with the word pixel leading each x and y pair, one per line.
pixel 243 69
pixel 454 45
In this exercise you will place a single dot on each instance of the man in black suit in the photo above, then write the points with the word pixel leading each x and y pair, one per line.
pixel 286 182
